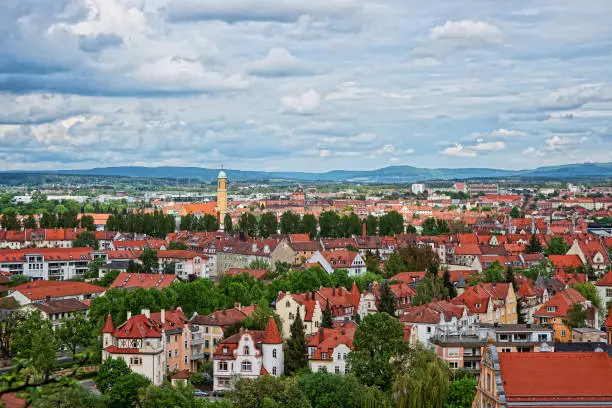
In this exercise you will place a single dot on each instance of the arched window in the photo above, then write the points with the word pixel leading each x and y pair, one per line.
pixel 246 350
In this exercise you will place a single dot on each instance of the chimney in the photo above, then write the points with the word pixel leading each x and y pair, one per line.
pixel 129 315
pixel 163 316
pixel 146 312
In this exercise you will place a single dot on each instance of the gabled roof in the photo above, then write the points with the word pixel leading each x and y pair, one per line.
pixel 60 306
pixel 326 340
pixel 127 280
pixel 257 274
pixel 605 280
pixel 565 261
pixel 431 312
pixel 560 303
pixel 537 378
pixel 138 327
pixel 222 318
pixel 43 289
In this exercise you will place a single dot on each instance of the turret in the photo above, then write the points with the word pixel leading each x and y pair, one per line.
pixel 272 349
pixel 107 332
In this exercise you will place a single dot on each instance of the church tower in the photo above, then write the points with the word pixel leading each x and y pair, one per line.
pixel 221 197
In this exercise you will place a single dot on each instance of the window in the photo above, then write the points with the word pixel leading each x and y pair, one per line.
pixel 135 361
pixel 346 370
pixel 206 344
pixel 563 333
pixel 428 329
pixel 551 308
pixel 503 337
pixel 246 350
pixel 453 352
pixel 169 353
pixel 175 352
pixel 542 337
pixel 453 364
pixel 322 369
pixel 167 368
pixel 324 355
pixel 274 372
pixel 337 370
pixel 506 350
pixel 186 344
pixel 608 292
pixel 287 304
pixel 222 365
pixel 246 366
pixel 186 359
pixel 274 353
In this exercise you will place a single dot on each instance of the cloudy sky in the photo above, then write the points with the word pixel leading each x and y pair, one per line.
pixel 304 85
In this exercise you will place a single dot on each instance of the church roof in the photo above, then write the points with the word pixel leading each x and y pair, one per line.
pixel 222 175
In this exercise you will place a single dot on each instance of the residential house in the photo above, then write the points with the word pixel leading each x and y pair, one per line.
pixel 339 259
pixel 186 263
pixel 555 312
pixel 532 297
pixel 462 350
pixel 42 290
pixel 491 302
pixel 47 263
pixel 431 317
pixel 152 344
pixel 131 281
pixel 402 292
pixel 57 310
pixel 208 330
pixel 328 349
pixel 549 380
pixel 604 288
pixel 591 251
pixel 248 354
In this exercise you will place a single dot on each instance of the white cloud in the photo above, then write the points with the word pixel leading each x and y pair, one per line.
pixel 488 146
pixel 467 31
pixel 532 151
pixel 425 62
pixel 458 150
pixel 507 133
pixel 305 103
pixel 278 62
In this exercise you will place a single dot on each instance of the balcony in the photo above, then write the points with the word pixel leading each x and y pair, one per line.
pixel 195 342
pixel 199 356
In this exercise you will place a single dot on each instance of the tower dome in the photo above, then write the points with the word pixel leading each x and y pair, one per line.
pixel 222 175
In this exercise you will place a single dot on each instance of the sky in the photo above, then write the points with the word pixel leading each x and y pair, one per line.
pixel 302 85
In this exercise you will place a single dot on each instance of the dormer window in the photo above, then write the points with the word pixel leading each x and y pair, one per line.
pixel 225 349
pixel 246 350
pixel 478 305
pixel 551 308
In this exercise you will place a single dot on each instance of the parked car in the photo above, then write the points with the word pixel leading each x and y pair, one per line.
pixel 200 393
pixel 219 394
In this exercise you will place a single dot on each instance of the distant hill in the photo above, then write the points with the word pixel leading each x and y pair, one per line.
pixel 391 174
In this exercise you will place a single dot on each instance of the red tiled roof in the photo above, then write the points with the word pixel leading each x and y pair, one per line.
pixel 605 280
pixel 432 312
pixel 109 327
pixel 41 289
pixel 271 334
pixel 50 254
pixel 565 261
pixel 61 306
pixel 299 237
pixel 548 377
pixel 127 280
pixel 469 249
pixel 608 322
pixel 222 318
pixel 258 274
pixel 138 327
pixel 408 277
pixel 561 303
pixel 117 350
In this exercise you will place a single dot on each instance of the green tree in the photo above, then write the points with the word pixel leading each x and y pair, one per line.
pixel 125 392
pixel 371 225
pixel 521 311
pixel 429 288
pixel 423 382
pixel 418 258
pixel 394 265
pixel 589 291
pixel 461 393
pixel 208 222
pixel 268 224
pixel 188 223
pixel 177 245
pixel 510 278
pixel 72 396
pixel 87 222
pixel 10 222
pixel 180 396
pixel 35 341
pixel 29 222
pixel 110 371
pixel 386 303
pixel 556 246
pixel 326 390
pixel 48 220
pixel 267 392
pixel 494 273
pixel 74 333
pixel 289 222
pixel 576 316
pixel 516 213
pixel 248 224
pixel 308 225
pixel 228 226
pixel 329 225
pixel 327 320
pixel 296 356
pixel 378 349
pixel 150 262
pixel 391 223
pixel 450 287
pixel 85 239
pixel 372 263
pixel 354 225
